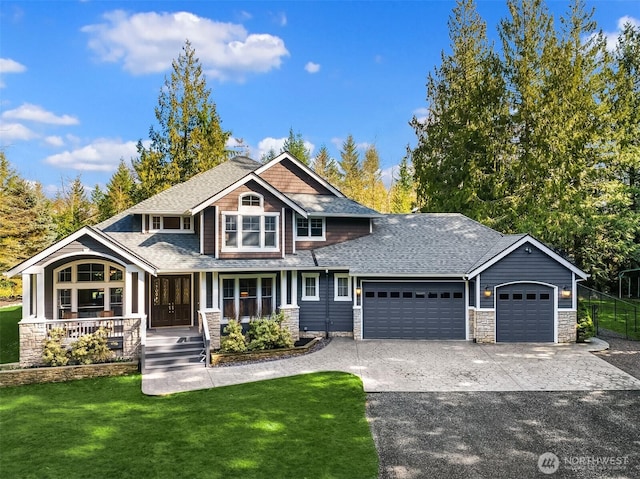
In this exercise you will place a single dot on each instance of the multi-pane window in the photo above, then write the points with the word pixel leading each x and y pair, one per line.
pixel 231 231
pixel 155 223
pixel 186 223
pixel 171 223
pixel 250 200
pixel 91 272
pixel 312 228
pixel 251 231
pixel 270 230
pixel 115 274
pixel 64 275
pixel 228 298
pixel 342 287
pixel 247 297
pixel 267 296
pixel 115 301
pixel 310 287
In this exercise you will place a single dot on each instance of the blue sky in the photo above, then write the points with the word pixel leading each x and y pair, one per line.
pixel 79 80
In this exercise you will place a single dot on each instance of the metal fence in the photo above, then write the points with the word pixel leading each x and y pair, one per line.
pixel 611 316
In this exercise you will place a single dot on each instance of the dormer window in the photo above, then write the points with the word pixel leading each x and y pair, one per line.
pixel 170 224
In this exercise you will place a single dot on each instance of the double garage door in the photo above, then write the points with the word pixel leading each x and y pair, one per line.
pixel 413 310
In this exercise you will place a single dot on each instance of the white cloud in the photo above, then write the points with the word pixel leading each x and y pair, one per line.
pixel 54 141
pixel 7 65
pixel 101 155
pixel 14 131
pixel 267 144
pixel 421 114
pixel 612 37
pixel 311 67
pixel 148 42
pixel 36 113
pixel 280 18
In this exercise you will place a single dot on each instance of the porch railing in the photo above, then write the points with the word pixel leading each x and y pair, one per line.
pixel 75 328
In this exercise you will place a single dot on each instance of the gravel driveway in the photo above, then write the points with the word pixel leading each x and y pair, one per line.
pixel 592 434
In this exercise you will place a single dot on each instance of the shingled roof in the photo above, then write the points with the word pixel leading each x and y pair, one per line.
pixel 329 205
pixel 429 244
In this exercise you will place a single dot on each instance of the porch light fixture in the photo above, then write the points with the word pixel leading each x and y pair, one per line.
pixel 566 292
pixel 358 295
pixel 487 292
pixel 358 291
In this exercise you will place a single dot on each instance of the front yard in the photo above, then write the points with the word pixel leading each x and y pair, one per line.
pixel 9 338
pixel 309 426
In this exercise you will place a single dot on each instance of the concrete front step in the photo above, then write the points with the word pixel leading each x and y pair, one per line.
pixel 173 350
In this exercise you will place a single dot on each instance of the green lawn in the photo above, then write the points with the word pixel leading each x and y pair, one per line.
pixel 309 426
pixel 616 316
pixel 9 338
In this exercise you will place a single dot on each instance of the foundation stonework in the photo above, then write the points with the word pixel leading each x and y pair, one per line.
pixel 472 323
pixel 485 326
pixel 213 323
pixel 292 320
pixel 357 322
pixel 32 336
pixel 567 326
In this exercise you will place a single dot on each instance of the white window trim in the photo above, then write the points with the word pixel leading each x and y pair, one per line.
pixel 310 238
pixel 236 293
pixel 74 285
pixel 243 249
pixel 336 277
pixel 259 207
pixel 316 277
pixel 182 229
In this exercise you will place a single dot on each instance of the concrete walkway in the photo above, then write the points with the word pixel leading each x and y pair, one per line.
pixel 423 366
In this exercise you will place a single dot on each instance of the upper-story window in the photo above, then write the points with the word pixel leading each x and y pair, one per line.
pixel 250 228
pixel 251 200
pixel 310 229
pixel 173 224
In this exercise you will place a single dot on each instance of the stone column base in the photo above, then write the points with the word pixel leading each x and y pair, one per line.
pixel 213 323
pixel 291 320
pixel 567 321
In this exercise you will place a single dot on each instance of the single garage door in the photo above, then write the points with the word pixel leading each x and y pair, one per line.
pixel 524 313
pixel 413 310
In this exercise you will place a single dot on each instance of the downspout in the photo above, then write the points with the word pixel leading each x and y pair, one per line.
pixel 326 313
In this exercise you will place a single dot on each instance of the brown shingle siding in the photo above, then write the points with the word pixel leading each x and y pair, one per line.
pixel 288 178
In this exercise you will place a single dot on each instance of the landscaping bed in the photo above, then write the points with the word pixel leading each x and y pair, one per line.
pixel 303 346
pixel 20 377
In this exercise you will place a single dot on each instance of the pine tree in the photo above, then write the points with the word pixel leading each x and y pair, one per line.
pixel 189 138
pixel 403 196
pixel 463 143
pixel 72 209
pixel 118 195
pixel 351 167
pixel 374 194
pixel 327 167
pixel 26 226
pixel 294 144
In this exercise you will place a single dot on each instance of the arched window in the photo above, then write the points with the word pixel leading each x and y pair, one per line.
pixel 88 289
pixel 251 200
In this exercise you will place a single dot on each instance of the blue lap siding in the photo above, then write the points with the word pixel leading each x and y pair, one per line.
pixel 313 314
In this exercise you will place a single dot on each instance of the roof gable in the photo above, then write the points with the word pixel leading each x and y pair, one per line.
pixel 290 175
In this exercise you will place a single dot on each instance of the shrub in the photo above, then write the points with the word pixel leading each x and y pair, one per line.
pixel 234 341
pixel 268 333
pixel 91 348
pixel 55 354
pixel 585 328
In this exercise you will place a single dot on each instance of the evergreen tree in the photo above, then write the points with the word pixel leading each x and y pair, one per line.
pixel 189 138
pixel 72 209
pixel 118 195
pixel 26 226
pixel 268 156
pixel 374 194
pixel 351 167
pixel 403 196
pixel 294 144
pixel 327 167
pixel 463 143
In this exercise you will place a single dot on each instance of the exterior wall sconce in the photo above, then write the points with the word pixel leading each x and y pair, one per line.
pixel 487 292
pixel 566 292
pixel 358 295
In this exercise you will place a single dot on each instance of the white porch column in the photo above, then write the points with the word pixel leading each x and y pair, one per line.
pixel 283 288
pixel 128 290
pixel 203 290
pixel 40 294
pixel 26 295
pixel 294 288
pixel 141 295
pixel 215 301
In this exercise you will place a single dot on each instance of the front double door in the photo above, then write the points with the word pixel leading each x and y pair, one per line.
pixel 171 301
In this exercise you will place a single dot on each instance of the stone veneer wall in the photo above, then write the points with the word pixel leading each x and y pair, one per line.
pixel 322 334
pixel 213 323
pixel 357 322
pixel 567 326
pixel 485 326
pixel 292 320
pixel 131 337
pixel 32 336
pixel 19 377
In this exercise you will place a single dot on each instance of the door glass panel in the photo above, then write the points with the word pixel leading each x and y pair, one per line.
pixel 156 292
pixel 544 296
pixel 531 295
pixel 178 291
pixel 186 293
pixel 165 291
